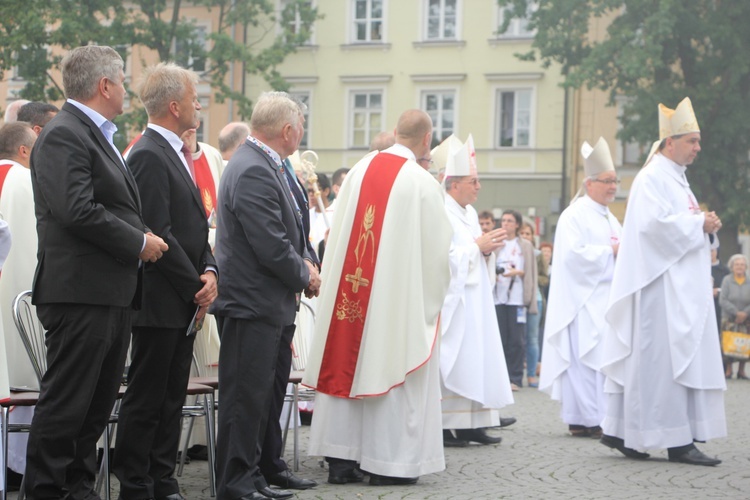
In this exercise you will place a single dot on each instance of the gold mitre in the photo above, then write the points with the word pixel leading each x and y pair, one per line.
pixel 597 159
pixel 445 151
pixel 677 121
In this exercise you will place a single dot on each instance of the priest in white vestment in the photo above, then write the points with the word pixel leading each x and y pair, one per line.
pixel 474 377
pixel 17 207
pixel 662 357
pixel 586 242
pixel 374 357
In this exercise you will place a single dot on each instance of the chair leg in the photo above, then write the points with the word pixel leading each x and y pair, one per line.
pixel 286 428
pixel 183 454
pixel 105 463
pixel 295 408
pixel 4 424
pixel 210 443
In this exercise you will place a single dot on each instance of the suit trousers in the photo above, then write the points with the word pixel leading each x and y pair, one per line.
pixel 86 349
pixel 247 366
pixel 148 431
pixel 513 335
pixel 270 457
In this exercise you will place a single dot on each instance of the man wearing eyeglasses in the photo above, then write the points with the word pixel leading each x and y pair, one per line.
pixel 665 380
pixel 586 244
pixel 472 364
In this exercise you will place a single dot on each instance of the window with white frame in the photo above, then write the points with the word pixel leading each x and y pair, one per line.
pixel 191 53
pixel 366 117
pixel 368 20
pixel 519 26
pixel 304 97
pixel 441 106
pixel 294 23
pixel 442 20
pixel 513 118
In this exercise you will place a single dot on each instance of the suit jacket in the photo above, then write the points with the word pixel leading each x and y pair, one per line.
pixel 260 243
pixel 300 194
pixel 173 209
pixel 87 208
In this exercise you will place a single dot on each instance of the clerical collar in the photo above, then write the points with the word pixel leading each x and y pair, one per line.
pixel 402 151
pixel 602 209
pixel 674 169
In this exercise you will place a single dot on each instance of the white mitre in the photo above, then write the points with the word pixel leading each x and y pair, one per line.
pixel 597 159
pixel 678 121
pixel 445 150
pixel 462 161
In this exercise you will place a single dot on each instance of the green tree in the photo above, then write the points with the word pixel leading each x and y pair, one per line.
pixel 661 51
pixel 32 30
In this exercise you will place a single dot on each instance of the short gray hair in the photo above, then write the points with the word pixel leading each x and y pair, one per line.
pixel 14 135
pixel 83 68
pixel 735 258
pixel 162 84
pixel 273 110
pixel 450 180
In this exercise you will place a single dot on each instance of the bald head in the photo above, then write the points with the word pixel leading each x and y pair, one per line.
pixel 383 140
pixel 11 112
pixel 414 130
pixel 230 138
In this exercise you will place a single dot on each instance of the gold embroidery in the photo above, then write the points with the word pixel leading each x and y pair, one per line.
pixel 365 236
pixel 208 201
pixel 348 309
pixel 357 280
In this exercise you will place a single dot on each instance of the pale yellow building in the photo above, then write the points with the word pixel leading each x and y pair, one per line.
pixel 369 60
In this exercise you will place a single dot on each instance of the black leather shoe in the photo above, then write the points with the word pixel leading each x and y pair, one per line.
pixel 693 457
pixel 619 445
pixel 173 496
pixel 285 479
pixel 505 422
pixel 343 471
pixel 277 494
pixel 477 435
pixel 378 480
pixel 450 441
pixel 253 496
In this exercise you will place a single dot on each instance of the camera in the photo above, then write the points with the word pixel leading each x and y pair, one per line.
pixel 499 269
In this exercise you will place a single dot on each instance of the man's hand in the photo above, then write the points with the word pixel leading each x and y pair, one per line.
pixel 313 287
pixel 154 248
pixel 206 295
pixel 711 222
pixel 492 240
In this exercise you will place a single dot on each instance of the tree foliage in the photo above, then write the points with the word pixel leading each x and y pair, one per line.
pixel 661 51
pixel 34 34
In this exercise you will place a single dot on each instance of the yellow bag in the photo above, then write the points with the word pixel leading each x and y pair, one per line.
pixel 735 344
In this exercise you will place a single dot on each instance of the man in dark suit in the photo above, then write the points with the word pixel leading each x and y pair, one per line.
pixel 185 279
pixel 265 265
pixel 273 467
pixel 91 238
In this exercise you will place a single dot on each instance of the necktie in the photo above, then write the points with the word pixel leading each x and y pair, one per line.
pixel 189 159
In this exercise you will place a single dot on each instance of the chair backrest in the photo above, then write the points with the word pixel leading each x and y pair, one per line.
pixel 206 349
pixel 31 331
pixel 305 322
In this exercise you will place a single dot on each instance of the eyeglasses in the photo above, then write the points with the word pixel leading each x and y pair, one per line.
pixel 607 181
pixel 473 181
pixel 428 160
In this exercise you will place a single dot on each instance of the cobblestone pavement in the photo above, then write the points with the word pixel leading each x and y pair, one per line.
pixel 539 460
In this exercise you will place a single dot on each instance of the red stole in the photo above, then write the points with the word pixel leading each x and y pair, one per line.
pixel 204 179
pixel 4 169
pixel 341 353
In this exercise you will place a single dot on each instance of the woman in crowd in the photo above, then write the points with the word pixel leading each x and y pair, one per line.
pixel 533 319
pixel 735 306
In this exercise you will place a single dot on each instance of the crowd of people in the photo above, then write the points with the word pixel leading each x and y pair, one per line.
pixel 429 315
